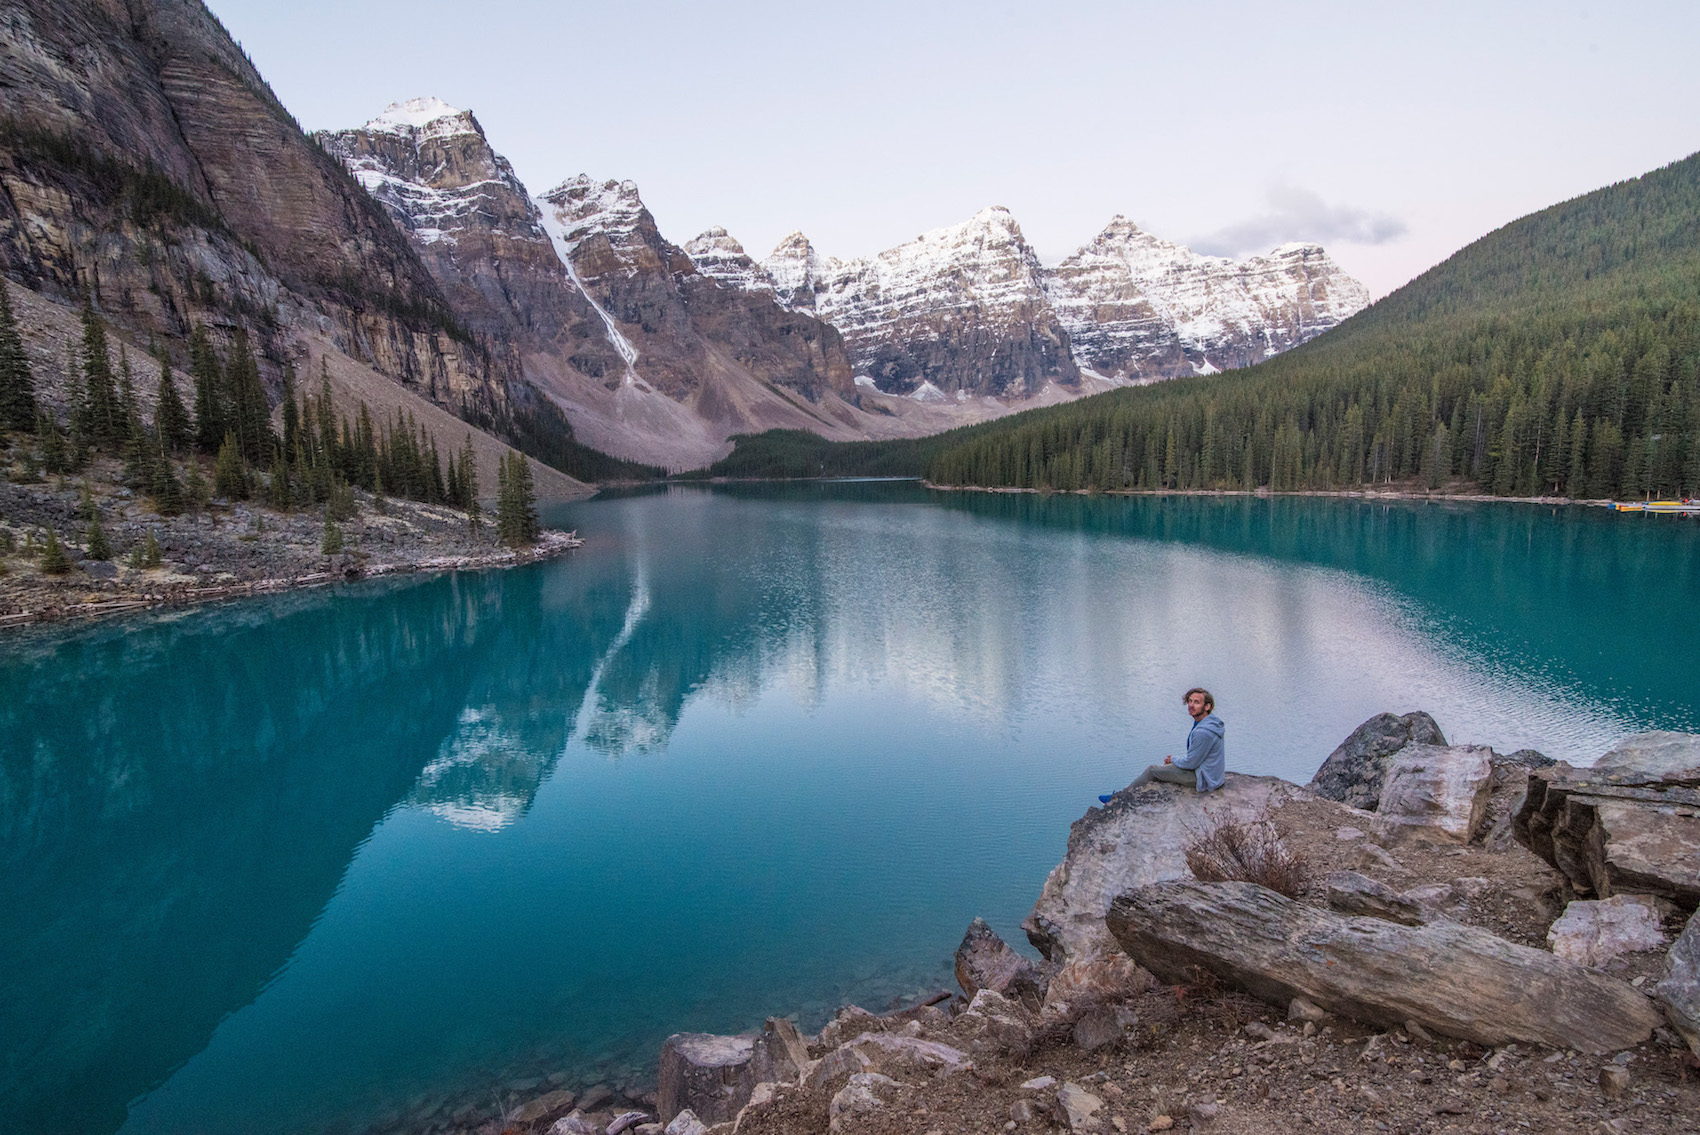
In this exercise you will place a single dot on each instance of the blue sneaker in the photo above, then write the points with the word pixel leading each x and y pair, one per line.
pixel 1103 799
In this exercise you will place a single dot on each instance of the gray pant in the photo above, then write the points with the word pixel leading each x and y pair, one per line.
pixel 1168 774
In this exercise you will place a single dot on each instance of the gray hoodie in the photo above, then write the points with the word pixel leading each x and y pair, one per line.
pixel 1206 754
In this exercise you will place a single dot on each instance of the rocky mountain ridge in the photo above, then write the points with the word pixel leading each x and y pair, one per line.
pixel 970 309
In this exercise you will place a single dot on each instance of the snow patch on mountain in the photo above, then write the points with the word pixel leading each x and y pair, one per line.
pixel 1140 306
pixel 553 225
pixel 418 115
pixel 584 208
pixel 719 256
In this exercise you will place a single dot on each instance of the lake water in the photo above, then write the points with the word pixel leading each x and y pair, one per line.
pixel 330 860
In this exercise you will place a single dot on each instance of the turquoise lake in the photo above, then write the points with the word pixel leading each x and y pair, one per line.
pixel 342 859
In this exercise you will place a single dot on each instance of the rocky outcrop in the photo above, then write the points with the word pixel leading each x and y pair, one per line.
pixel 1451 979
pixel 1353 773
pixel 1629 823
pixel 1139 307
pixel 1435 790
pixel 1139 837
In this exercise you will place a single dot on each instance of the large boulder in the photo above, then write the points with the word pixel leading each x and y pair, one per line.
pixel 1354 772
pixel 1435 790
pixel 1139 837
pixel 985 961
pixel 1629 823
pixel 1449 978
pixel 1593 932
pixel 1679 992
pixel 709 1074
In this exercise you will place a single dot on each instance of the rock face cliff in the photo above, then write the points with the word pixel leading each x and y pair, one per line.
pixel 684 323
pixel 1140 307
pixel 145 164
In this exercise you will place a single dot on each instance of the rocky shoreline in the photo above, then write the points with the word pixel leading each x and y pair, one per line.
pixel 1426 937
pixel 228 550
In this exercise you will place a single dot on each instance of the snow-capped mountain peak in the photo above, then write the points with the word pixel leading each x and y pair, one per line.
pixel 716 254
pixel 585 207
pixel 423 115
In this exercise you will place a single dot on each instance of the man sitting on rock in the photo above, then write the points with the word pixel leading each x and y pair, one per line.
pixel 1206 760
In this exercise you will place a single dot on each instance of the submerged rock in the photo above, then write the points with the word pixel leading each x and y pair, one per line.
pixel 1354 773
pixel 1452 979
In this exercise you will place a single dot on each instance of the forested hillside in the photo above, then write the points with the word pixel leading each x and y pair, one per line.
pixel 1559 354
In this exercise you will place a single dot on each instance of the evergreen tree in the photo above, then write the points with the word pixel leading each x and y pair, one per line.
pixel 211 423
pixel 279 493
pixel 171 420
pixel 17 382
pixel 516 503
pixel 196 492
pixel 55 457
pixel 53 558
pixel 331 543
pixel 250 417
pixel 166 491
pixel 230 473
pixel 152 556
pixel 102 411
pixel 94 540
pixel 291 413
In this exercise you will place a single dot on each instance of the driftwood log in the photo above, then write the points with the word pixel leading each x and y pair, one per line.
pixel 1450 978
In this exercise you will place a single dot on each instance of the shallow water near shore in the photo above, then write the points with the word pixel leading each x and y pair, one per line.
pixel 355 858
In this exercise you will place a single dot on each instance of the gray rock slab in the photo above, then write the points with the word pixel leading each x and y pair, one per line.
pixel 1435 790
pixel 985 961
pixel 1629 823
pixel 1591 932
pixel 1353 894
pixel 1452 979
pixel 1354 772
pixel 708 1074
pixel 1140 837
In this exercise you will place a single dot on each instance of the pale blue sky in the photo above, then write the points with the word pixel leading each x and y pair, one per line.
pixel 1393 135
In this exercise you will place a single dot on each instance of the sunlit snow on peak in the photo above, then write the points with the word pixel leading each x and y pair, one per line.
pixel 414 114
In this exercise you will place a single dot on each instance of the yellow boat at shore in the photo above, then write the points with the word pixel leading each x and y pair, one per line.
pixel 1681 508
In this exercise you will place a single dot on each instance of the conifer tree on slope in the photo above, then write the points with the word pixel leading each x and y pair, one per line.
pixel 17 384
pixel 171 420
pixel 103 424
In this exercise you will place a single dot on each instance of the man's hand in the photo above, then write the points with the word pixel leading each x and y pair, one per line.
pixel 1169 760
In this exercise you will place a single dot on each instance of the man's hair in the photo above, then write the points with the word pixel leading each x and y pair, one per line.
pixel 1209 702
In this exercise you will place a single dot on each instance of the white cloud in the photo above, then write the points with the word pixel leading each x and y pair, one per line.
pixel 1299 214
